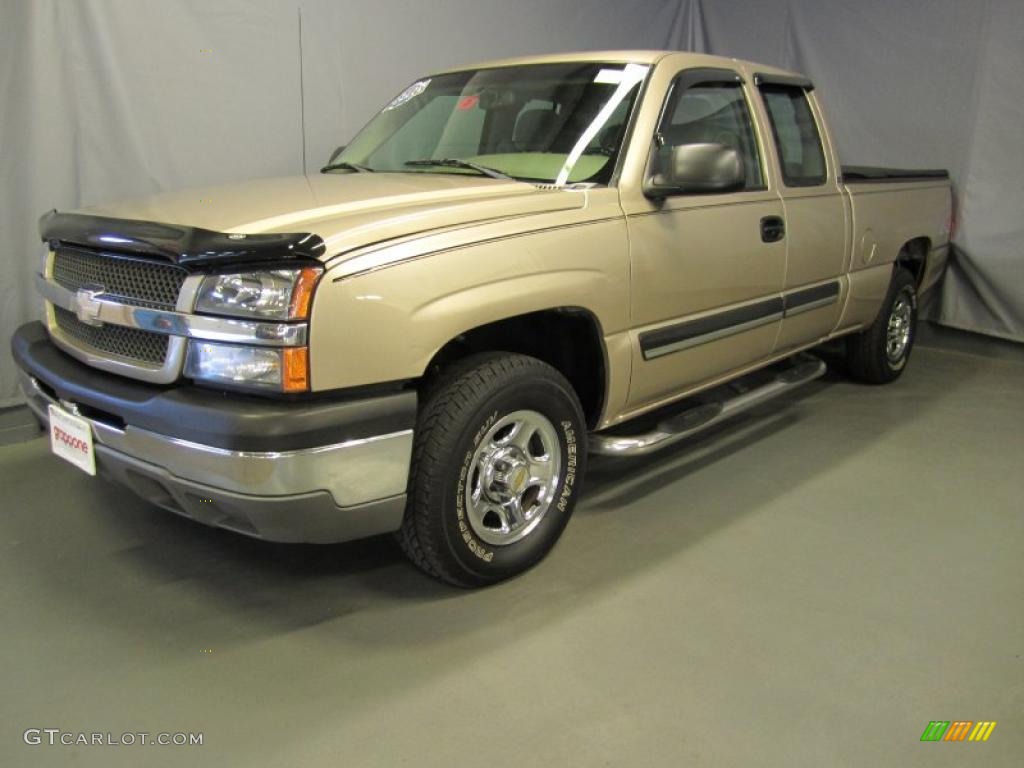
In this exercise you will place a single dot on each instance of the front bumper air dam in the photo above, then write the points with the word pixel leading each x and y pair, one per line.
pixel 316 471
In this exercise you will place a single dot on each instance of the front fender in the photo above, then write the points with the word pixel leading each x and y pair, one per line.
pixel 387 325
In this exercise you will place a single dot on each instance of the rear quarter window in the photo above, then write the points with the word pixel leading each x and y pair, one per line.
pixel 796 135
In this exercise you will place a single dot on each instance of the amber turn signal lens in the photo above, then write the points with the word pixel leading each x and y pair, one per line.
pixel 295 369
pixel 302 293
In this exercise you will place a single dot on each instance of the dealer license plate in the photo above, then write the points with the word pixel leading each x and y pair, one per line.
pixel 71 439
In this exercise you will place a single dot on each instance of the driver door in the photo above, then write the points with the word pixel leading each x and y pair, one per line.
pixel 707 269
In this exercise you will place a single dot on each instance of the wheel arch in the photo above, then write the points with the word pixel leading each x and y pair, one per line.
pixel 568 338
pixel 913 256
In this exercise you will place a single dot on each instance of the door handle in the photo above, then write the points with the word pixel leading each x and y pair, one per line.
pixel 773 229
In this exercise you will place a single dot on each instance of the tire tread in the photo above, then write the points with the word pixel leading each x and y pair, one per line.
pixel 865 352
pixel 446 399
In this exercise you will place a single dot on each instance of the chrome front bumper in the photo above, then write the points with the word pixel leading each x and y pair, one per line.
pixel 324 494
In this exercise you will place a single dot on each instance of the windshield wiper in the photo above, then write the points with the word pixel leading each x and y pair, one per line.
pixel 346 167
pixel 456 163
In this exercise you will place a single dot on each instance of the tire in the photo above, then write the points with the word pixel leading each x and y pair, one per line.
pixel 484 430
pixel 879 354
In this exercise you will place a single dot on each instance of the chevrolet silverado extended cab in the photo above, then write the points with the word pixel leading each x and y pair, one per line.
pixel 512 265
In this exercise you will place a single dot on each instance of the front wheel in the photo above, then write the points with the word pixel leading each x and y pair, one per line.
pixel 498 460
pixel 879 354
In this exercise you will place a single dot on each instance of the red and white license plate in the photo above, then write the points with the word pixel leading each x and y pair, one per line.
pixel 71 439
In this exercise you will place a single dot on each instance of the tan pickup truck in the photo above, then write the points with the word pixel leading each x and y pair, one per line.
pixel 506 267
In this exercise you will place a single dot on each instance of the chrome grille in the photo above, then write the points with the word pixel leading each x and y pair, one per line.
pixel 139 282
pixel 131 343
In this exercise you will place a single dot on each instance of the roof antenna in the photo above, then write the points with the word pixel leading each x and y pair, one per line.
pixel 302 97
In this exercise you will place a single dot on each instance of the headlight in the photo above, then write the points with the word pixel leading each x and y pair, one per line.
pixel 282 369
pixel 280 294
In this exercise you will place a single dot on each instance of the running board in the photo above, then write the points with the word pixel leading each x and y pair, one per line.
pixel 702 417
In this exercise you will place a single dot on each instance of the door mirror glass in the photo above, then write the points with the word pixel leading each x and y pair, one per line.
pixel 695 169
pixel 705 137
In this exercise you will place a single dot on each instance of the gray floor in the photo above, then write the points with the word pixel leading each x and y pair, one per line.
pixel 810 586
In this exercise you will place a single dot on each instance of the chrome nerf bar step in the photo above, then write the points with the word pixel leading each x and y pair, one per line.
pixel 702 417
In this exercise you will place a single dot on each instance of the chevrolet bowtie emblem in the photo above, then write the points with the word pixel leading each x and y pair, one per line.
pixel 87 304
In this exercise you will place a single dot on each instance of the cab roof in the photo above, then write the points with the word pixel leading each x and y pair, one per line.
pixel 649 57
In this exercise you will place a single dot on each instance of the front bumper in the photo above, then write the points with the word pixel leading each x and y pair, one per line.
pixel 304 471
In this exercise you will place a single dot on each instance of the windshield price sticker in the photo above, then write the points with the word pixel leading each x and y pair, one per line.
pixel 609 76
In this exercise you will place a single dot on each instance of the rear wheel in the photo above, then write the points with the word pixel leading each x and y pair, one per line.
pixel 879 354
pixel 498 460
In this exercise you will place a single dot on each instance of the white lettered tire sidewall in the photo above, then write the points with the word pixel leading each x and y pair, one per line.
pixel 495 562
pixel 460 404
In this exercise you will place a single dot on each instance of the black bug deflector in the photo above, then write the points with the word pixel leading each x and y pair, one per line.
pixel 182 245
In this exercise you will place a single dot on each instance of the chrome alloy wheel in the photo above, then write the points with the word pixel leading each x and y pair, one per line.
pixel 897 336
pixel 513 477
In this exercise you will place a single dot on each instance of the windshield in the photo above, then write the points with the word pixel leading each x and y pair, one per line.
pixel 551 123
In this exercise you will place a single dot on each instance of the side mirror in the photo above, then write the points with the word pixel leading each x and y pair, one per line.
pixel 335 154
pixel 697 168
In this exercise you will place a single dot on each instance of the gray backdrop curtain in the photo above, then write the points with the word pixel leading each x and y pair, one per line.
pixel 114 98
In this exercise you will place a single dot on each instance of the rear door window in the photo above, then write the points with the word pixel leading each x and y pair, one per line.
pixel 796 135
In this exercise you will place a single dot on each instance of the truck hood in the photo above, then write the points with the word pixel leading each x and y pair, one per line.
pixel 346 211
